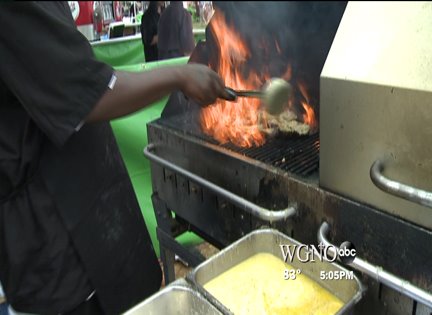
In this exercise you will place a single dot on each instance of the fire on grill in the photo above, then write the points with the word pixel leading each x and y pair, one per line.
pixel 245 123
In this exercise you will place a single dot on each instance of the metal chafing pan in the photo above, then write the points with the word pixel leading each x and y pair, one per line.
pixel 178 298
pixel 268 241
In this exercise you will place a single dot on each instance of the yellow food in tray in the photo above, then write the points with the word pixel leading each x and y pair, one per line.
pixel 257 286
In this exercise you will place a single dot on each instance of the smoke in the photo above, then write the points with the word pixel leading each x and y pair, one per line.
pixel 303 30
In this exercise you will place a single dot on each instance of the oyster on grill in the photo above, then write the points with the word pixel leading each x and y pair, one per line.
pixel 286 122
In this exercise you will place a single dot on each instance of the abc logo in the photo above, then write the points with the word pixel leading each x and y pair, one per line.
pixel 347 252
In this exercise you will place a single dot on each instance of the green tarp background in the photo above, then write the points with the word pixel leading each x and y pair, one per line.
pixel 121 52
pixel 131 136
pixel 124 51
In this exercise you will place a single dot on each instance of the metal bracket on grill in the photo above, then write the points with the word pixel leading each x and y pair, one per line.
pixel 378 273
pixel 395 188
pixel 260 212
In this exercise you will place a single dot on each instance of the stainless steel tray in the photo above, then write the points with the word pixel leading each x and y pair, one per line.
pixel 177 298
pixel 268 241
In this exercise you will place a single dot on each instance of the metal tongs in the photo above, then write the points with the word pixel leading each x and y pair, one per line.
pixel 233 94
pixel 275 95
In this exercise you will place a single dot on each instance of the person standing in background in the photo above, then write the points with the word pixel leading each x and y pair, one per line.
pixel 175 34
pixel 149 30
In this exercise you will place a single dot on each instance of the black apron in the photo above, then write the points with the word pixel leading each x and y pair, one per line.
pixel 103 217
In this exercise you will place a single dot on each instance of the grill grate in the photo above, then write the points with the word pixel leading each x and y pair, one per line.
pixel 295 154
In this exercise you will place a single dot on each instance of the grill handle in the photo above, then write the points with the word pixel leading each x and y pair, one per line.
pixel 397 189
pixel 255 210
pixel 378 273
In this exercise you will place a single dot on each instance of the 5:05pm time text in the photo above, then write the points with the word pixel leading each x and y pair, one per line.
pixel 336 275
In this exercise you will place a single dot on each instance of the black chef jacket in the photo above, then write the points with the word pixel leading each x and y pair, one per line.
pixel 175 34
pixel 149 29
pixel 69 220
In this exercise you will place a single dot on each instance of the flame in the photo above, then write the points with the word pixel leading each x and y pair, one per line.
pixel 235 122
pixel 309 115
pixel 288 73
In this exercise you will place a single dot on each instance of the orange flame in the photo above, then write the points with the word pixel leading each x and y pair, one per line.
pixel 309 115
pixel 225 121
pixel 288 73
pixel 237 122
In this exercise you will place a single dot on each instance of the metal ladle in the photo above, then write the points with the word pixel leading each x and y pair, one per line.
pixel 275 94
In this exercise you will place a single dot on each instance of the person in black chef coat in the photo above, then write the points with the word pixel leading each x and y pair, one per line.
pixel 149 30
pixel 175 32
pixel 72 237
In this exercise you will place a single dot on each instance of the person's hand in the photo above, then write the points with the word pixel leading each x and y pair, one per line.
pixel 154 40
pixel 202 84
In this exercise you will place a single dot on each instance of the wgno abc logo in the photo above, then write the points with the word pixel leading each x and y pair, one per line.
pixel 346 252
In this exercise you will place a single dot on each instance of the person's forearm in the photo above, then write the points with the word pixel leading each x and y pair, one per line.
pixel 133 91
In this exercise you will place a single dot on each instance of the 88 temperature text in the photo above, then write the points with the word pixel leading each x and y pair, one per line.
pixel 291 274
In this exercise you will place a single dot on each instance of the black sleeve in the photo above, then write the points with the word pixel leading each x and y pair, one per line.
pixel 49 66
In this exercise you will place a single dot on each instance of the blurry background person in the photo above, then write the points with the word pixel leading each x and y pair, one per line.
pixel 149 30
pixel 175 34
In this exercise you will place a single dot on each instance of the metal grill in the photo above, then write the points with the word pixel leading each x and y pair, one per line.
pixel 295 154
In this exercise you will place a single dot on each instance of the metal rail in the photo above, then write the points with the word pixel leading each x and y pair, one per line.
pixel 397 189
pixel 255 210
pixel 378 273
